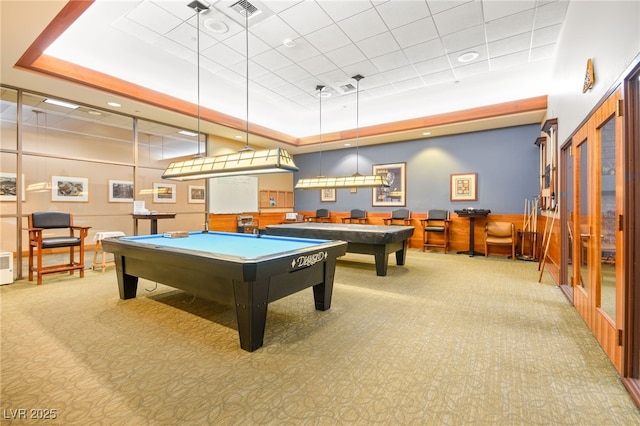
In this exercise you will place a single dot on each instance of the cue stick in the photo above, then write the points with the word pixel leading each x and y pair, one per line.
pixel 546 249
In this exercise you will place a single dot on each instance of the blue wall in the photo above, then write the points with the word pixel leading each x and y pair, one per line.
pixel 506 160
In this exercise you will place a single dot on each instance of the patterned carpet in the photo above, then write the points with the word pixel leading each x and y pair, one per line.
pixel 444 340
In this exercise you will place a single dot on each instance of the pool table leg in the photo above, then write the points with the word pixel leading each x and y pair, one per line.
pixel 401 254
pixel 382 259
pixel 127 284
pixel 322 292
pixel 251 300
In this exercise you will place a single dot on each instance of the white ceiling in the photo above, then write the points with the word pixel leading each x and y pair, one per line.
pixel 407 50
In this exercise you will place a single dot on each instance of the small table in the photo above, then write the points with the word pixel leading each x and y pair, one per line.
pixel 153 217
pixel 98 251
pixel 244 271
pixel 472 214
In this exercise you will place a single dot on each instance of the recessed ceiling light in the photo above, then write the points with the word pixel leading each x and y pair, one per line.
pixel 114 104
pixel 188 133
pixel 61 103
pixel 288 42
pixel 238 136
pixel 94 112
pixel 216 26
pixel 426 133
pixel 324 94
pixel 347 144
pixel 468 57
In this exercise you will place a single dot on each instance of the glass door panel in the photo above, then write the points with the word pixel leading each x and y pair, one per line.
pixel 608 232
pixel 582 218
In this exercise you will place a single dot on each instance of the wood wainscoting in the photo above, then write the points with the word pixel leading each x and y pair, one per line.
pixel 458 236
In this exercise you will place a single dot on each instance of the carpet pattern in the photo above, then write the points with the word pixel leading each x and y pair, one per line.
pixel 443 340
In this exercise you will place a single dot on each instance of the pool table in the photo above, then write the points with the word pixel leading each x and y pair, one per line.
pixel 242 270
pixel 378 240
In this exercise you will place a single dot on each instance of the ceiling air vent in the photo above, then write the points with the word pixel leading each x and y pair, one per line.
pixel 245 8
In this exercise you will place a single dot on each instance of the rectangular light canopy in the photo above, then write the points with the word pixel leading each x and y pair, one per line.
pixel 354 181
pixel 245 162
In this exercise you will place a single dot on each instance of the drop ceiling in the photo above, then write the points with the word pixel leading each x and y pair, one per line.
pixel 409 51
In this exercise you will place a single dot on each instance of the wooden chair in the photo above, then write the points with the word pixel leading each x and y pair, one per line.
pixel 39 222
pixel 500 234
pixel 322 215
pixel 398 215
pixel 437 222
pixel 357 216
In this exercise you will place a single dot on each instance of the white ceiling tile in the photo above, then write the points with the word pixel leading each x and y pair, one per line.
pixel 328 38
pixel 398 13
pixel 238 42
pixel 281 5
pixel 317 65
pixel 424 51
pixel 433 66
pixel 506 46
pixel 365 68
pixel 551 14
pixel 154 17
pixel 415 32
pixel 546 35
pixel 292 73
pixel 409 84
pixel 136 30
pixel 464 39
pixel 499 9
pixel 363 25
pixel 306 17
pixel 223 55
pixel 472 70
pixel 390 61
pixel 339 10
pixel 511 60
pixel 346 55
pixel 458 18
pixel 272 60
pixel 437 6
pixel 401 74
pixel 273 31
pixel 300 52
pixel 378 45
pixel 542 52
pixel 512 25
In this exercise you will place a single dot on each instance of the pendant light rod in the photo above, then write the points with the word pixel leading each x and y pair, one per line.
pixel 246 42
pixel 198 7
pixel 320 88
pixel 357 78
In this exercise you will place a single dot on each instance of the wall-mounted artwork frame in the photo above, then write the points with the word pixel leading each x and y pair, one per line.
pixel 67 188
pixel 9 187
pixel 328 195
pixel 395 194
pixel 164 193
pixel 464 187
pixel 196 194
pixel 120 191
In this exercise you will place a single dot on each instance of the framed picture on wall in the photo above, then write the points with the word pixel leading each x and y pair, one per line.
pixel 395 194
pixel 164 193
pixel 464 187
pixel 120 191
pixel 328 194
pixel 65 188
pixel 196 194
pixel 9 187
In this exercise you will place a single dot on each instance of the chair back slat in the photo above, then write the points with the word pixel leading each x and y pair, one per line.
pixel 50 220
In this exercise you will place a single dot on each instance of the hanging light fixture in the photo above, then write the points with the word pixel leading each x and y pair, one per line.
pixel 245 162
pixel 354 181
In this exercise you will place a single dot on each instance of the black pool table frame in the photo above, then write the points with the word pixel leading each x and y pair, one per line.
pixel 248 285
pixel 378 240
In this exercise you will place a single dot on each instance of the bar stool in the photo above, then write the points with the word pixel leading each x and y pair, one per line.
pixel 98 249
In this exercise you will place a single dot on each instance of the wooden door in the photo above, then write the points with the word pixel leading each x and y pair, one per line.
pixel 597 211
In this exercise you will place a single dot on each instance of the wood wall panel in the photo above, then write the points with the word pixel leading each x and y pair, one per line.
pixel 458 238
